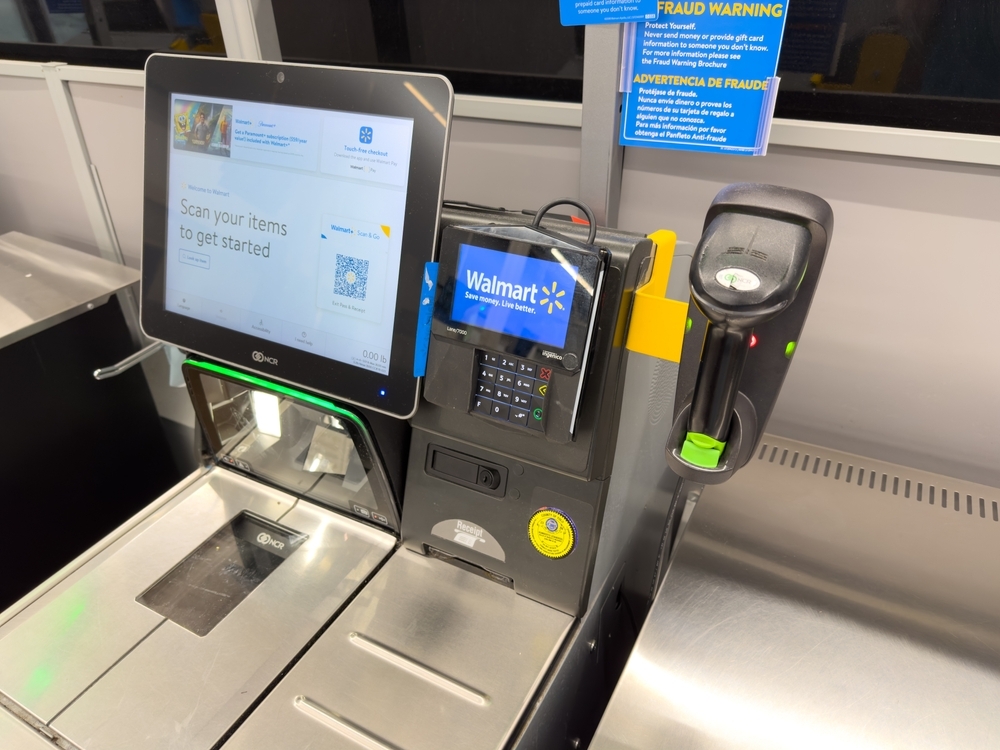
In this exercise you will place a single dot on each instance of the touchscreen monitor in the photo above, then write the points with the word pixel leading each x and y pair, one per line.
pixel 280 223
pixel 289 211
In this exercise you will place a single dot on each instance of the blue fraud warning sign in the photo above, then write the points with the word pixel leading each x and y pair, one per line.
pixel 702 77
pixel 586 12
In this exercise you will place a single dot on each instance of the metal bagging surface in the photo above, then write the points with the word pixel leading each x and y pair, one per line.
pixel 42 284
pixel 822 600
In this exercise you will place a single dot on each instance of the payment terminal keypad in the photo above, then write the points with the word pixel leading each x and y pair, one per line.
pixel 510 389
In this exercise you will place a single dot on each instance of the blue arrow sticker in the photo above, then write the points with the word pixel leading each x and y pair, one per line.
pixel 427 289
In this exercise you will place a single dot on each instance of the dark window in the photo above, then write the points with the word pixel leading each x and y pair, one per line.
pixel 927 64
pixel 114 33
pixel 513 48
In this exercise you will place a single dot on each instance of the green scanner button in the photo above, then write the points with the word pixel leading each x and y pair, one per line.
pixel 701 450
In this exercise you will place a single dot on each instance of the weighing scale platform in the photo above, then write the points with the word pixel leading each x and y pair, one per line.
pixel 427 656
pixel 16 735
pixel 105 671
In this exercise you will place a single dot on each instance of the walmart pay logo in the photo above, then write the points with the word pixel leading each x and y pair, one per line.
pixel 552 297
pixel 365 135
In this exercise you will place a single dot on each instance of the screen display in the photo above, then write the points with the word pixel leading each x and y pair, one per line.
pixel 524 297
pixel 286 223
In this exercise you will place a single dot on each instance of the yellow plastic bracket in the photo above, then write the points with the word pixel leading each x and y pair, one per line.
pixel 656 326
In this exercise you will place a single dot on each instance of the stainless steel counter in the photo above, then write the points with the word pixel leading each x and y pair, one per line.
pixel 822 600
pixel 16 735
pixel 42 284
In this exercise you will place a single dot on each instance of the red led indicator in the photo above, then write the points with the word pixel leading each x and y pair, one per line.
pixel 753 340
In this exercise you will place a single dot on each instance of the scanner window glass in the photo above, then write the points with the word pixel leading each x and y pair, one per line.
pixel 316 453
pixel 211 582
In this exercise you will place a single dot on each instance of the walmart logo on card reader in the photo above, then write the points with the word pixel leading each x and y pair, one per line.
pixel 552 297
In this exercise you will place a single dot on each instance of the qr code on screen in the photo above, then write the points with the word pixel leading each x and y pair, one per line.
pixel 350 278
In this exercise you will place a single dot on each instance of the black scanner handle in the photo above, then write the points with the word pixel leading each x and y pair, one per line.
pixel 745 271
pixel 718 381
pixel 753 276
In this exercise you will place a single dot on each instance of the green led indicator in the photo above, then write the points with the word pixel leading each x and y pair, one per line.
pixel 789 349
pixel 687 326
pixel 39 680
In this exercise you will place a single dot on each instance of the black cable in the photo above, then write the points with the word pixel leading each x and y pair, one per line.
pixel 569 202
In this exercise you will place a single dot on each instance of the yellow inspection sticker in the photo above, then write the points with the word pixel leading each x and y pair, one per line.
pixel 552 532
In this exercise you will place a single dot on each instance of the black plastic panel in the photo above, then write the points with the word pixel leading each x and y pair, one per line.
pixel 211 582
pixel 78 457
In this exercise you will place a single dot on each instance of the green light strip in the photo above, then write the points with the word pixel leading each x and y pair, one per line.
pixel 284 390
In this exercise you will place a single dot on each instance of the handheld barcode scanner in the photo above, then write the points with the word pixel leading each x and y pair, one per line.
pixel 753 276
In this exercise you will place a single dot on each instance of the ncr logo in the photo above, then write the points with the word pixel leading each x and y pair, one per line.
pixel 269 541
pixel 366 134
pixel 261 357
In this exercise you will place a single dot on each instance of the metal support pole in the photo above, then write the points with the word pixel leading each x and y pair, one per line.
pixel 601 157
pixel 249 30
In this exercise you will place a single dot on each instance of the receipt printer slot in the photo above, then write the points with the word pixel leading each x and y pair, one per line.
pixel 466 470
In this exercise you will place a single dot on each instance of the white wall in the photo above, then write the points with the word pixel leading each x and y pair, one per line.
pixel 898 359
pixel 512 165
pixel 38 194
pixel 112 123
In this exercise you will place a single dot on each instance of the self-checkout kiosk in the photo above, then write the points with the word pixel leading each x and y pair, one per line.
pixel 375 559
pixel 282 205
pixel 336 576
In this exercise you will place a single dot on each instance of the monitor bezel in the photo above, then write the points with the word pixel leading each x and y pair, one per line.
pixel 372 92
